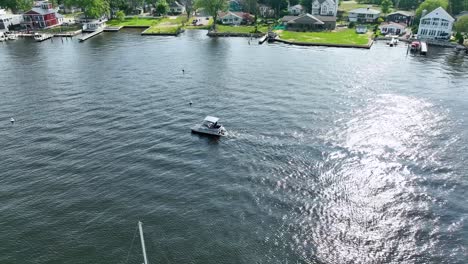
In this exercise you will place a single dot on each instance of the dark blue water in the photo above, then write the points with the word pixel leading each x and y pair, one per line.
pixel 334 155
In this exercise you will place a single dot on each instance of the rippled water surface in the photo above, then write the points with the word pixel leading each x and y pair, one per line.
pixel 334 155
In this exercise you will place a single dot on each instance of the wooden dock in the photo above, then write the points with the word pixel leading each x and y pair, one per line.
pixel 112 29
pixel 68 34
pixel 90 35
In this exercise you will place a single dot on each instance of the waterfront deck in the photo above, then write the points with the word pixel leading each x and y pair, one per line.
pixel 90 35
pixel 113 29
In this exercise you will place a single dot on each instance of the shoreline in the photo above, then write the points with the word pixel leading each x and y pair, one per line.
pixel 332 45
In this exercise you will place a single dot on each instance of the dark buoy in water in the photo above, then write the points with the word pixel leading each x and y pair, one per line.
pixel 190 103
pixel 12 120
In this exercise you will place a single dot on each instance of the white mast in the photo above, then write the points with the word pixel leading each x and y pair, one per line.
pixel 142 242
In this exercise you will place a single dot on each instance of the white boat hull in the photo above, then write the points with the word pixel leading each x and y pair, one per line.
pixel 218 132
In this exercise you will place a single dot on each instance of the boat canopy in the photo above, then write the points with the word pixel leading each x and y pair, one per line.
pixel 211 119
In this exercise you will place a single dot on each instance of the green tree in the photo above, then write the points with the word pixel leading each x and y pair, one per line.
pixel 91 8
pixel 307 4
pixel 386 5
pixel 462 24
pixel 188 7
pixel 430 5
pixel 251 6
pixel 118 5
pixel 457 6
pixel 212 7
pixel 162 7
pixel 120 15
pixel 17 5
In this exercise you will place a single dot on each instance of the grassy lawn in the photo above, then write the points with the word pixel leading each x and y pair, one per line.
pixel 240 29
pixel 147 22
pixel 346 36
pixel 164 25
pixel 61 29
pixel 350 5
pixel 190 26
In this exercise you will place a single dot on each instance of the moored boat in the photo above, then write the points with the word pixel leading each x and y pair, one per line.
pixel 12 36
pixel 42 37
pixel 423 50
pixel 415 46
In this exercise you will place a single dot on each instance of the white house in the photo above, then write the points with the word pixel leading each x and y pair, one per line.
pixel 176 8
pixel 234 18
pixel 393 28
pixel 94 25
pixel 295 10
pixel 436 25
pixel 363 15
pixel 325 7
pixel 266 11
pixel 9 20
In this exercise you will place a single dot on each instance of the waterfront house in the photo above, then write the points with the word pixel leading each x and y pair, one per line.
pixel 265 11
pixel 176 8
pixel 235 18
pixel 9 21
pixel 295 10
pixel 363 15
pixel 325 7
pixel 42 16
pixel 361 29
pixel 401 17
pixel 392 28
pixel 308 22
pixel 94 25
pixel 436 25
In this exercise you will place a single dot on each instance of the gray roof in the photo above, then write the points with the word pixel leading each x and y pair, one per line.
pixel 321 1
pixel 306 19
pixel 365 11
pixel 463 13
pixel 288 18
pixel 405 13
pixel 42 11
pixel 317 19
pixel 175 4
pixel 326 18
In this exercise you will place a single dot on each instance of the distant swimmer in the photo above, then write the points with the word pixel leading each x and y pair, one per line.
pixel 190 103
pixel 183 71
pixel 12 120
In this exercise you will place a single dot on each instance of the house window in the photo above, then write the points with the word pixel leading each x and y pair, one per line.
pixel 370 16
pixel 324 9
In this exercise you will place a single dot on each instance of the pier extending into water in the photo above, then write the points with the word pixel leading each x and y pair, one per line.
pixel 90 35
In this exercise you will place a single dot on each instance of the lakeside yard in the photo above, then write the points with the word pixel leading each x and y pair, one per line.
pixel 163 25
pixel 146 22
pixel 345 36
pixel 347 6
pixel 241 29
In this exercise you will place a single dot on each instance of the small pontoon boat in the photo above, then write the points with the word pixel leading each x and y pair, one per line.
pixel 210 126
